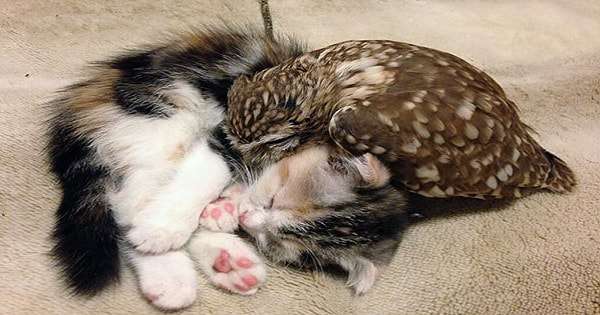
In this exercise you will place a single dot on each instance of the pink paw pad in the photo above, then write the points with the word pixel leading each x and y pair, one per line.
pixel 244 262
pixel 249 280
pixel 204 214
pixel 228 206
pixel 243 218
pixel 215 213
pixel 222 262
pixel 151 297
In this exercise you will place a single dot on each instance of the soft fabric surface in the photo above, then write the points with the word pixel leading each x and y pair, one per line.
pixel 540 254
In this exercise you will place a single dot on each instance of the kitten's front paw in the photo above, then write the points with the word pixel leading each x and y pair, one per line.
pixel 220 215
pixel 230 263
pixel 152 233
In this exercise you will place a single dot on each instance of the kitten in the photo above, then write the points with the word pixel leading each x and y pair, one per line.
pixel 138 152
pixel 319 208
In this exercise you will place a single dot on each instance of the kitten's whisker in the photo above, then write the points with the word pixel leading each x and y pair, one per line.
pixel 313 257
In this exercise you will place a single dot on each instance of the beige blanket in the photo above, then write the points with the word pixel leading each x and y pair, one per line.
pixel 537 255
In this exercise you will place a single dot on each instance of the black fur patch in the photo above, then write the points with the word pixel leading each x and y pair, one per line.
pixel 377 215
pixel 146 72
pixel 136 90
pixel 219 143
pixel 85 233
pixel 216 88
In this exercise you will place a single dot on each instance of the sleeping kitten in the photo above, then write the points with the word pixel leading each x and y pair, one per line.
pixel 319 208
pixel 138 151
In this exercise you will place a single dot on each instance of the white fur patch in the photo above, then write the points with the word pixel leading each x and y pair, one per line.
pixel 362 274
pixel 141 150
pixel 168 280
pixel 170 218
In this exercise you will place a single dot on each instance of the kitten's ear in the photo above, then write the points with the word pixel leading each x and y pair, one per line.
pixel 372 171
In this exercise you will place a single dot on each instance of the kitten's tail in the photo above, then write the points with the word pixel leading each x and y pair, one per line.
pixel 561 178
pixel 86 234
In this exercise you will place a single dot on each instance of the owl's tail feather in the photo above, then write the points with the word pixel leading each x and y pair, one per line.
pixel 561 178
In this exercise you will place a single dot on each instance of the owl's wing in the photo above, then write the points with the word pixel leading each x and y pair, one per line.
pixel 452 141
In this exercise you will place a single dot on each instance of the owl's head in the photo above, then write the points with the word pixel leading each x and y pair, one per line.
pixel 316 208
pixel 273 114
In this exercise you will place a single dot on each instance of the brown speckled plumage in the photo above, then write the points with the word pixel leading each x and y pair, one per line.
pixel 444 127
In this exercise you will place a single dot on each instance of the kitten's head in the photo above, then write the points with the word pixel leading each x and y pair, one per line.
pixel 316 208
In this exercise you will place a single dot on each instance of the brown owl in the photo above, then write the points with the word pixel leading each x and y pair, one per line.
pixel 442 126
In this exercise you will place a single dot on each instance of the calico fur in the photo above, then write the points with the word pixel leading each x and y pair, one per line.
pixel 137 150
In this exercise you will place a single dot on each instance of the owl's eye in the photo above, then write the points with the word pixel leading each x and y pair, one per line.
pixel 284 143
pixel 280 140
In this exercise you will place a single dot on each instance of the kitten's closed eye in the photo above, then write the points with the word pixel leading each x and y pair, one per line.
pixel 313 179
pixel 269 204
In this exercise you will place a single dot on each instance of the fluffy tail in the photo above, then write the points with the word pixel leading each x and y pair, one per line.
pixel 86 235
pixel 560 178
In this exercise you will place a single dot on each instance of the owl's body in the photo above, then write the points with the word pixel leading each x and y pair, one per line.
pixel 442 126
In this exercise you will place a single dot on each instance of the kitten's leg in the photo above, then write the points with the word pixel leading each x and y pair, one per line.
pixel 170 218
pixel 228 262
pixel 167 280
